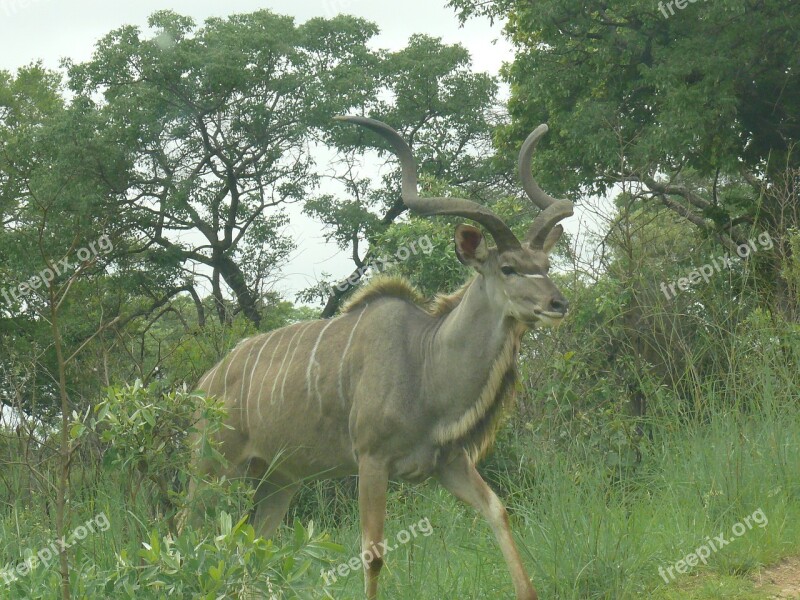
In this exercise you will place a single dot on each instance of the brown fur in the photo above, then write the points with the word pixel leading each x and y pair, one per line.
pixel 384 286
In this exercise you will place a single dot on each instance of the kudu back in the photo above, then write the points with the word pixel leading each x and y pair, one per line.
pixel 394 387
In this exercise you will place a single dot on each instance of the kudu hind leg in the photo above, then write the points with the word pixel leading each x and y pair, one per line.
pixel 461 478
pixel 271 505
pixel 373 481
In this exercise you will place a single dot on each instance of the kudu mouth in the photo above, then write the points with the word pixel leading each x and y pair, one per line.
pixel 545 318
pixel 550 314
pixel 553 315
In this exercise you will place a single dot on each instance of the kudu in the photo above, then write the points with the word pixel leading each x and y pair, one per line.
pixel 395 388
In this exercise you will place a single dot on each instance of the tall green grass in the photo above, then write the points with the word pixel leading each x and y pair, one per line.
pixel 586 532
pixel 589 526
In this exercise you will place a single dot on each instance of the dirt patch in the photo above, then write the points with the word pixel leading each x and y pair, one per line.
pixel 781 580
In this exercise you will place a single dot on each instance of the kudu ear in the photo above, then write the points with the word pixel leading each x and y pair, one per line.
pixel 552 238
pixel 470 245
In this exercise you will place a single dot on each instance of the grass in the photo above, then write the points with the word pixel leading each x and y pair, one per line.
pixel 587 527
pixel 585 533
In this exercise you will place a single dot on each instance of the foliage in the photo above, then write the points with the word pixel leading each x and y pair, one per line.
pixel 58 237
pixel 231 563
pixel 690 88
pixel 148 433
pixel 215 121
pixel 147 437
pixel 446 112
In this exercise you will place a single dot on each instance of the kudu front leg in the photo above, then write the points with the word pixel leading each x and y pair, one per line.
pixel 462 479
pixel 373 481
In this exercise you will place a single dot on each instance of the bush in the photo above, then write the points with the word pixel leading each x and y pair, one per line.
pixel 232 564
pixel 147 437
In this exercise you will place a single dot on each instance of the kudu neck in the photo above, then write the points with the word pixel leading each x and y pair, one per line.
pixel 478 326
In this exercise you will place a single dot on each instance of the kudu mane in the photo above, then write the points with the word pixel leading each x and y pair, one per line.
pixel 393 286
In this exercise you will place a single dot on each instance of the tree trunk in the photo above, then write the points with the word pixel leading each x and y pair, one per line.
pixel 339 291
pixel 64 450
pixel 234 277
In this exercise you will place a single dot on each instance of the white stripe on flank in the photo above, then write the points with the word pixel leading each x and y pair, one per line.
pixel 246 399
pixel 213 384
pixel 344 355
pixel 244 372
pixel 312 361
pixel 289 366
pixel 242 397
pixel 283 362
pixel 209 375
pixel 237 349
pixel 266 371
pixel 213 381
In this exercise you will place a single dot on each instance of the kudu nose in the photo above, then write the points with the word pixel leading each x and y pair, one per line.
pixel 559 304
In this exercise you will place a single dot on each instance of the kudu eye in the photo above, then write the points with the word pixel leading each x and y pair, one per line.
pixel 508 270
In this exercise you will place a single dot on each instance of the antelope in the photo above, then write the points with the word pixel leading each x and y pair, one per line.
pixel 394 388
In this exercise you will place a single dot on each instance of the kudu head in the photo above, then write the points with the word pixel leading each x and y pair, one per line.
pixel 515 273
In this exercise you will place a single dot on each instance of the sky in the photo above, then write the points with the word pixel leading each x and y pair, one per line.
pixel 50 30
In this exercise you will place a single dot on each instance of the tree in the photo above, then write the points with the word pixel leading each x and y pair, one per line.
pixel 217 121
pixel 57 221
pixel 57 238
pixel 694 108
pixel 447 113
